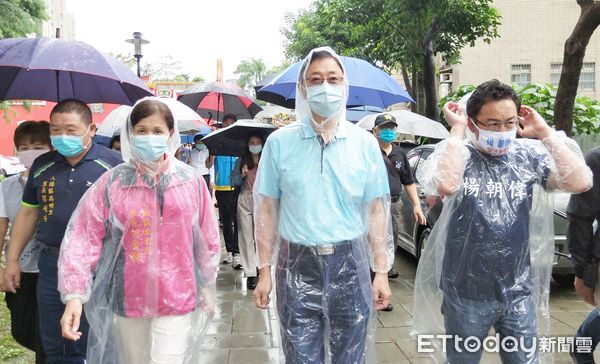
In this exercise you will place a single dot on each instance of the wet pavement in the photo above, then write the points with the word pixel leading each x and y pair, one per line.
pixel 242 333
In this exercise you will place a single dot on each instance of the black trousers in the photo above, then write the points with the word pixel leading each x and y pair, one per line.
pixel 227 201
pixel 24 323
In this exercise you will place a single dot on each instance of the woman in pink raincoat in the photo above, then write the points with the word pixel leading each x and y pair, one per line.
pixel 141 251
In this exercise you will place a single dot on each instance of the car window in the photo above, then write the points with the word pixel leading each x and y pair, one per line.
pixel 413 158
pixel 424 155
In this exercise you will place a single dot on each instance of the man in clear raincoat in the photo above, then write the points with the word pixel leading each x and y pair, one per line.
pixel 141 251
pixel 322 212
pixel 489 258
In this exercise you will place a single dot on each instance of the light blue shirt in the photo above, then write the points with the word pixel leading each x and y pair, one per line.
pixel 323 193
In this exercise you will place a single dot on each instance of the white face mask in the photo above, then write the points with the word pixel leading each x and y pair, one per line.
pixel 28 156
pixel 495 143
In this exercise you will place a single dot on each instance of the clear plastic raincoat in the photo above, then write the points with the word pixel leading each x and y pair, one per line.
pixel 490 253
pixel 141 251
pixel 322 218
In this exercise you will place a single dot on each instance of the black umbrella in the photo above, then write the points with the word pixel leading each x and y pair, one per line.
pixel 232 139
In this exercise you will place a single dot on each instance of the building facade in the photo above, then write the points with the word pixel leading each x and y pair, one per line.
pixel 58 18
pixel 529 49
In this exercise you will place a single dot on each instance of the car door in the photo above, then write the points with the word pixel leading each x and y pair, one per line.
pixel 407 220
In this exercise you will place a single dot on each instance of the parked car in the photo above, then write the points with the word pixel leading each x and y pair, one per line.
pixel 413 237
pixel 10 165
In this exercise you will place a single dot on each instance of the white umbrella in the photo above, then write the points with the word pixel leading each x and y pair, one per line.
pixel 188 121
pixel 114 121
pixel 409 123
pixel 268 112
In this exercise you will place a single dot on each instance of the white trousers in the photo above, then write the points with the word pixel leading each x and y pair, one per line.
pixel 245 216
pixel 158 340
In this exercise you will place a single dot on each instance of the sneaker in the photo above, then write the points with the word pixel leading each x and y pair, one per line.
pixel 237 262
pixel 227 259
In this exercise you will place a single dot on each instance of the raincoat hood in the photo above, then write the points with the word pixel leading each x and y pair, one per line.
pixel 327 129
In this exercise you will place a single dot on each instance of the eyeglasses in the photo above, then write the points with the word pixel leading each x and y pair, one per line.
pixel 317 81
pixel 496 125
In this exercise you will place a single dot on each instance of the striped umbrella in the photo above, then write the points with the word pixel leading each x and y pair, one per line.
pixel 215 99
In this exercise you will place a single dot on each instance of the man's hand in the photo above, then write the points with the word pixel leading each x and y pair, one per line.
pixel 70 320
pixel 12 276
pixel 381 291
pixel 586 293
pixel 533 124
pixel 263 290
pixel 455 115
pixel 419 215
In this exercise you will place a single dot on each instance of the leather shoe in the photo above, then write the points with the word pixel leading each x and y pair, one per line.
pixel 392 274
pixel 389 308
pixel 251 282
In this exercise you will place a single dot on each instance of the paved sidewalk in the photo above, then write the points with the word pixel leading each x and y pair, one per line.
pixel 241 333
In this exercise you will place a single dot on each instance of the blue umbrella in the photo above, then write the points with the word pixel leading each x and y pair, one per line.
pixel 354 114
pixel 369 85
pixel 55 69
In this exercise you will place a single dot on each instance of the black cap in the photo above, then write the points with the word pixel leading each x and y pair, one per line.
pixel 383 119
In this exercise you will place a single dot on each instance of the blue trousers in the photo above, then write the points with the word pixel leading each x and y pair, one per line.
pixel 590 327
pixel 50 308
pixel 323 298
pixel 465 318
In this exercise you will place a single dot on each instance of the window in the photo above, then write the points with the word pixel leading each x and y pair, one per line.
pixel 555 70
pixel 587 78
pixel 520 74
pixel 413 158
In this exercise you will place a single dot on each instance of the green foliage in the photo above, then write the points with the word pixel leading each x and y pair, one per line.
pixel 250 72
pixel 541 97
pixel 278 69
pixel 21 17
pixel 395 32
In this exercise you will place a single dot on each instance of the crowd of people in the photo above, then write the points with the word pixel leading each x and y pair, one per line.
pixel 113 252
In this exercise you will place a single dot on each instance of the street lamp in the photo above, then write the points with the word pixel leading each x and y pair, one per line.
pixel 137 45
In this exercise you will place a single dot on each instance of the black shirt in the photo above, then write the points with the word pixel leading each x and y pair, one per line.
pixel 583 210
pixel 398 170
pixel 56 188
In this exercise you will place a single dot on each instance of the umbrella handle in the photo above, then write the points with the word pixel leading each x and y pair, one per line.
pixel 218 105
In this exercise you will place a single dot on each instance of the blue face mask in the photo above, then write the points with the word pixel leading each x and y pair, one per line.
pixel 387 135
pixel 325 99
pixel 148 148
pixel 68 145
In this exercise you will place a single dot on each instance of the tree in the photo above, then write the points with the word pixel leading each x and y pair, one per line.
pixel 165 69
pixel 575 46
pixel 250 72
pixel 127 59
pixel 21 17
pixel 198 79
pixel 399 34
